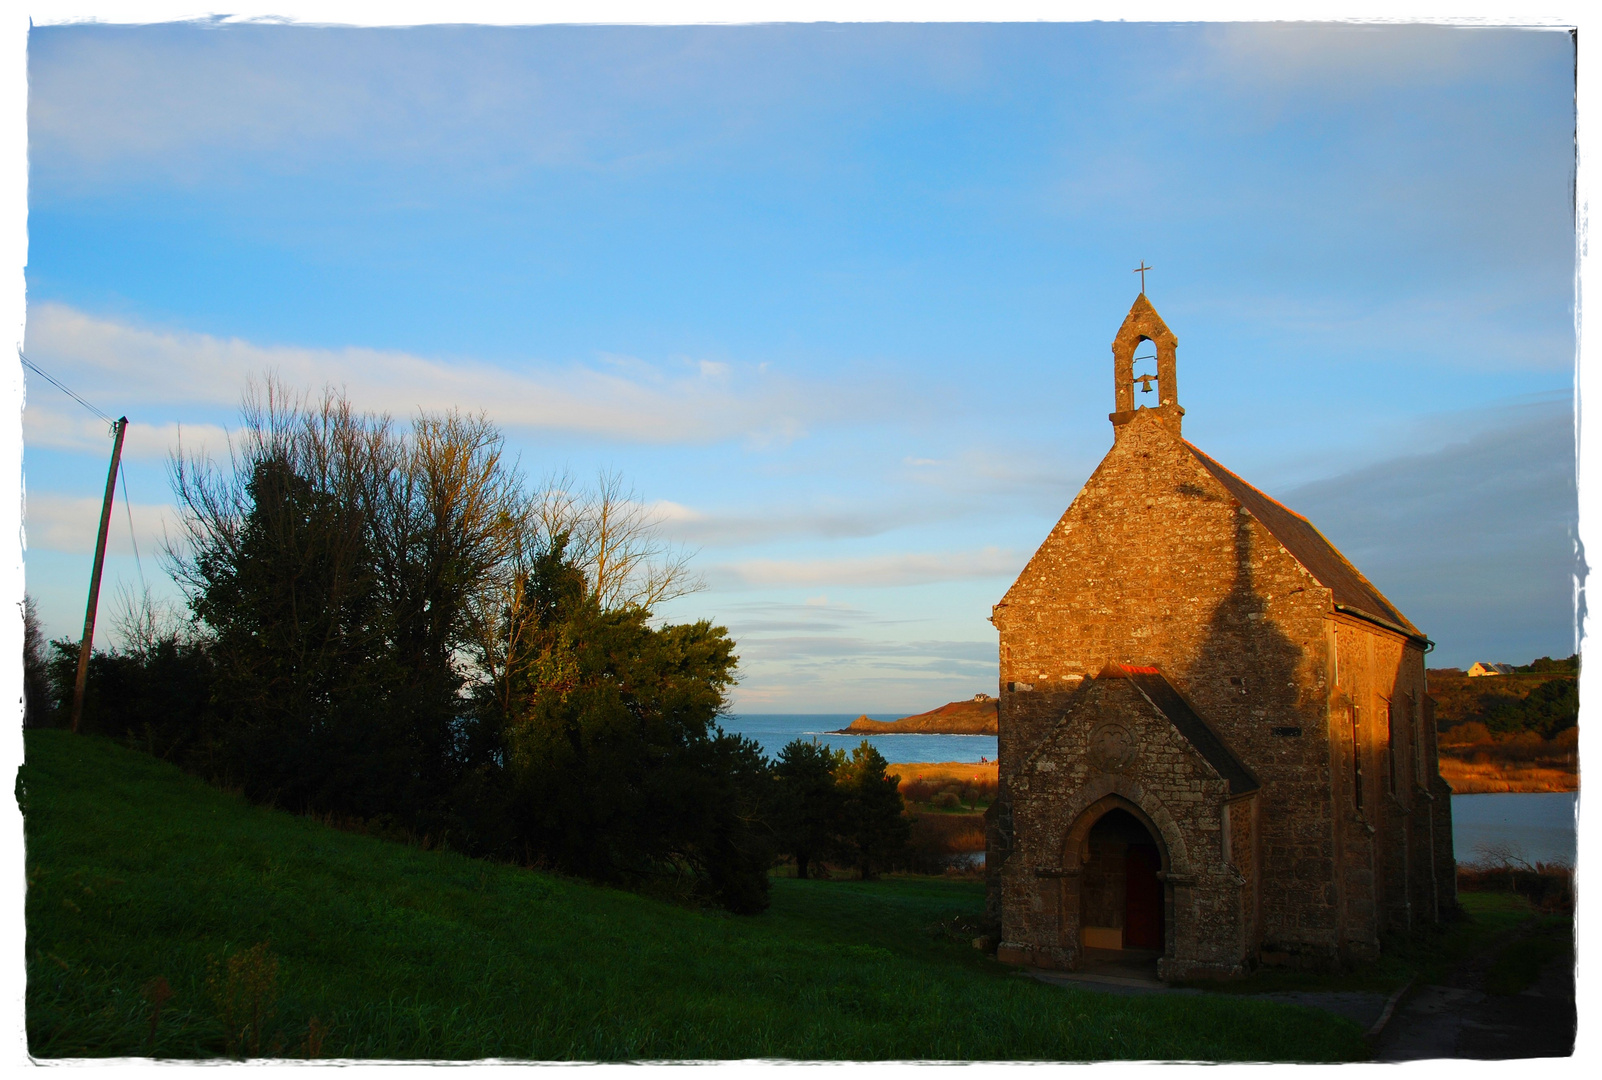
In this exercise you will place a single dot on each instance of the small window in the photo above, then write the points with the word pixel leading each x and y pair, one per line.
pixel 1357 762
pixel 1390 747
pixel 1416 715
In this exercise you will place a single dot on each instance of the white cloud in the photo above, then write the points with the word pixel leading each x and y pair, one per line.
pixel 1358 57
pixel 634 401
pixel 70 524
pixel 63 425
pixel 875 570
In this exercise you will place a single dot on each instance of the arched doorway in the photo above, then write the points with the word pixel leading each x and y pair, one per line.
pixel 1121 896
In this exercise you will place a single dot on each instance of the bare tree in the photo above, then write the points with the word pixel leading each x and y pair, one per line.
pixel 141 621
pixel 615 538
pixel 608 533
pixel 451 521
pixel 327 450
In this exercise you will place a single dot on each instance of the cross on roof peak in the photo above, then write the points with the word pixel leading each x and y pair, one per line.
pixel 1141 270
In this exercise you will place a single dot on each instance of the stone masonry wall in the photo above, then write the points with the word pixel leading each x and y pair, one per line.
pixel 1068 781
pixel 1155 564
pixel 1396 853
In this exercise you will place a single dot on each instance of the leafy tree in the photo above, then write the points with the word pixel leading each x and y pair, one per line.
pixel 337 569
pixel 398 631
pixel 619 769
pixel 1546 664
pixel 808 806
pixel 876 829
pixel 37 693
pixel 288 591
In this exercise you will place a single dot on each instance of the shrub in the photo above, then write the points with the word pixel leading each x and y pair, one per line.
pixel 923 790
pixel 1468 734
pixel 1546 664
pixel 1548 886
pixel 1550 708
pixel 935 838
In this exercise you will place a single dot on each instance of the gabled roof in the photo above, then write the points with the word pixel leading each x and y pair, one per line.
pixel 1166 700
pixel 1309 547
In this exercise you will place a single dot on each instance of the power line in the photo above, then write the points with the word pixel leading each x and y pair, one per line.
pixel 134 540
pixel 59 385
pixel 121 472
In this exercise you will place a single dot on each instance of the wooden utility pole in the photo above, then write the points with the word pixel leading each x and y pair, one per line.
pixel 119 429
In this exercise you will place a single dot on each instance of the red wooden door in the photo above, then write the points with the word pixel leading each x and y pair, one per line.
pixel 1143 898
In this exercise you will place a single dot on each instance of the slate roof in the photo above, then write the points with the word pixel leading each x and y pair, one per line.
pixel 1161 693
pixel 1309 547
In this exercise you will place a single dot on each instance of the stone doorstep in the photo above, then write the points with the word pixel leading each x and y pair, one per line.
pixel 1107 984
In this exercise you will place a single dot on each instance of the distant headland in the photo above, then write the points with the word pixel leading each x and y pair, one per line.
pixel 974 717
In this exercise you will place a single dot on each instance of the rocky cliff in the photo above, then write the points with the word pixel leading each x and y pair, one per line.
pixel 976 716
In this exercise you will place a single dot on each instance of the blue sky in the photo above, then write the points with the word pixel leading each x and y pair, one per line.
pixel 837 299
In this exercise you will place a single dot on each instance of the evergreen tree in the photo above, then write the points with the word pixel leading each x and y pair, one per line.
pixel 808 806
pixel 876 829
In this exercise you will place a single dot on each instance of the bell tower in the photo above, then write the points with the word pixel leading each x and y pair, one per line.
pixel 1150 369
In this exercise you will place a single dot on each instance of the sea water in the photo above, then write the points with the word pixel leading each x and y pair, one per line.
pixel 1534 826
pixel 772 730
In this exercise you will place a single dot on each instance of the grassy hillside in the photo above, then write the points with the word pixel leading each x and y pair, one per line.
pixel 276 935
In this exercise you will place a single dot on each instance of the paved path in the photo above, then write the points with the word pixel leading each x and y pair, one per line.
pixel 1462 1021
pixel 1455 1020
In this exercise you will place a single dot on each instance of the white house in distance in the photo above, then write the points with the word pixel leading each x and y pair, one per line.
pixel 1489 669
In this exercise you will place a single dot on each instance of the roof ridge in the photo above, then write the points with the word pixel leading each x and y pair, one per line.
pixel 1247 483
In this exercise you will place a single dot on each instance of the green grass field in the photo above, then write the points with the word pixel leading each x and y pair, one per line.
pixel 280 937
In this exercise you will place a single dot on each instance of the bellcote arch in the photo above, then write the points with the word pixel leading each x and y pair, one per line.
pixel 1142 325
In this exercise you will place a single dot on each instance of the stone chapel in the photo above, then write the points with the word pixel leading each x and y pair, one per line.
pixel 1216 748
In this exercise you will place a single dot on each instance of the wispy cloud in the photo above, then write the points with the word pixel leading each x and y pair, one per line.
pixel 873 570
pixel 757 526
pixel 486 102
pixel 638 402
pixel 59 424
pixel 1358 58
pixel 69 524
